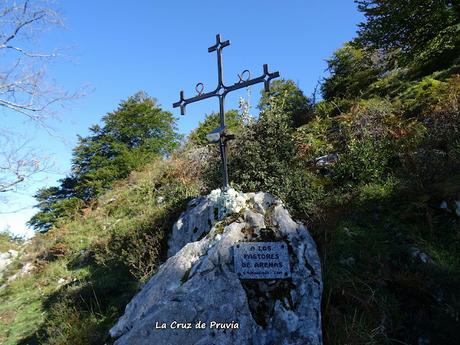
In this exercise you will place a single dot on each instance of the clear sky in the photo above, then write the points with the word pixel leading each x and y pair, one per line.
pixel 117 48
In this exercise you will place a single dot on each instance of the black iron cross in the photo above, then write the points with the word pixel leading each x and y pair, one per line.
pixel 221 91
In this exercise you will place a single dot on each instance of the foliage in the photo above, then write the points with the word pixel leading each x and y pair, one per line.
pixel 264 156
pixel 442 115
pixel 286 96
pixel 314 139
pixel 233 123
pixel 424 32
pixel 9 241
pixel 55 202
pixel 133 135
pixel 438 157
pixel 352 71
pixel 369 133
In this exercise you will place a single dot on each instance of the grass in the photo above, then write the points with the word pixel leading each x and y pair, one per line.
pixel 8 241
pixel 376 292
pixel 20 311
pixel 88 269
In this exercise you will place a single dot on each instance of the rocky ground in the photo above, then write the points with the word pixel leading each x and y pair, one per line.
pixel 198 285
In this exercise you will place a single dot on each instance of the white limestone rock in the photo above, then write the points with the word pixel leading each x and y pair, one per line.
pixel 198 282
pixel 25 270
pixel 201 214
pixel 7 258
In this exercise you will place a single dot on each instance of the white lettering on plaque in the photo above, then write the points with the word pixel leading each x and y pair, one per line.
pixel 261 260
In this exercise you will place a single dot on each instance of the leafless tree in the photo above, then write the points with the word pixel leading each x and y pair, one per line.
pixel 25 88
pixel 19 162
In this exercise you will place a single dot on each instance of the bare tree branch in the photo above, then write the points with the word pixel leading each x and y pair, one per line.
pixel 26 53
pixel 25 88
pixel 19 162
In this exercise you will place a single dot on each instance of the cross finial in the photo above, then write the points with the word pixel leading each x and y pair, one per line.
pixel 219 44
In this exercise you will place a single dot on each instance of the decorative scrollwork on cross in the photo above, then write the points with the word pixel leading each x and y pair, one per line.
pixel 199 88
pixel 242 77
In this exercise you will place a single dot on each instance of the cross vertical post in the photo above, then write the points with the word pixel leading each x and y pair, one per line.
pixel 221 91
pixel 223 143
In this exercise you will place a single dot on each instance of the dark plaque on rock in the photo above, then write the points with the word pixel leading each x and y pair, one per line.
pixel 262 260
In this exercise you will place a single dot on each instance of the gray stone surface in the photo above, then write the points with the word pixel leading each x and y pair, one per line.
pixel 198 283
pixel 192 224
pixel 7 258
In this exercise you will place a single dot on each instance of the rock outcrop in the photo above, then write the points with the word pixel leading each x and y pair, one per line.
pixel 196 296
pixel 6 259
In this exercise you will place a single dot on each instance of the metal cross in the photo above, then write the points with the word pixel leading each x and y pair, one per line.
pixel 221 91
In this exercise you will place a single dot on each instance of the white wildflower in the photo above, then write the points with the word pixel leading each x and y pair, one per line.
pixel 227 202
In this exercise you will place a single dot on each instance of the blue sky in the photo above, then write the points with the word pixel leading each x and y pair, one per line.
pixel 116 48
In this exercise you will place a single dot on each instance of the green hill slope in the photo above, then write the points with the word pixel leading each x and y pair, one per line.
pixel 86 270
pixel 382 211
pixel 373 169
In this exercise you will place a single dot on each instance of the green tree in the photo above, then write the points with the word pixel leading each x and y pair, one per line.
pixel 288 98
pixel 53 206
pixel 423 31
pixel 352 71
pixel 137 132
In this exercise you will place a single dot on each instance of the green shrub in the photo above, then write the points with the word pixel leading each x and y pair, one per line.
pixel 233 124
pixel 9 241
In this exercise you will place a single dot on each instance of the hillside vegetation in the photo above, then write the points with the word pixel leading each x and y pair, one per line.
pixel 373 169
